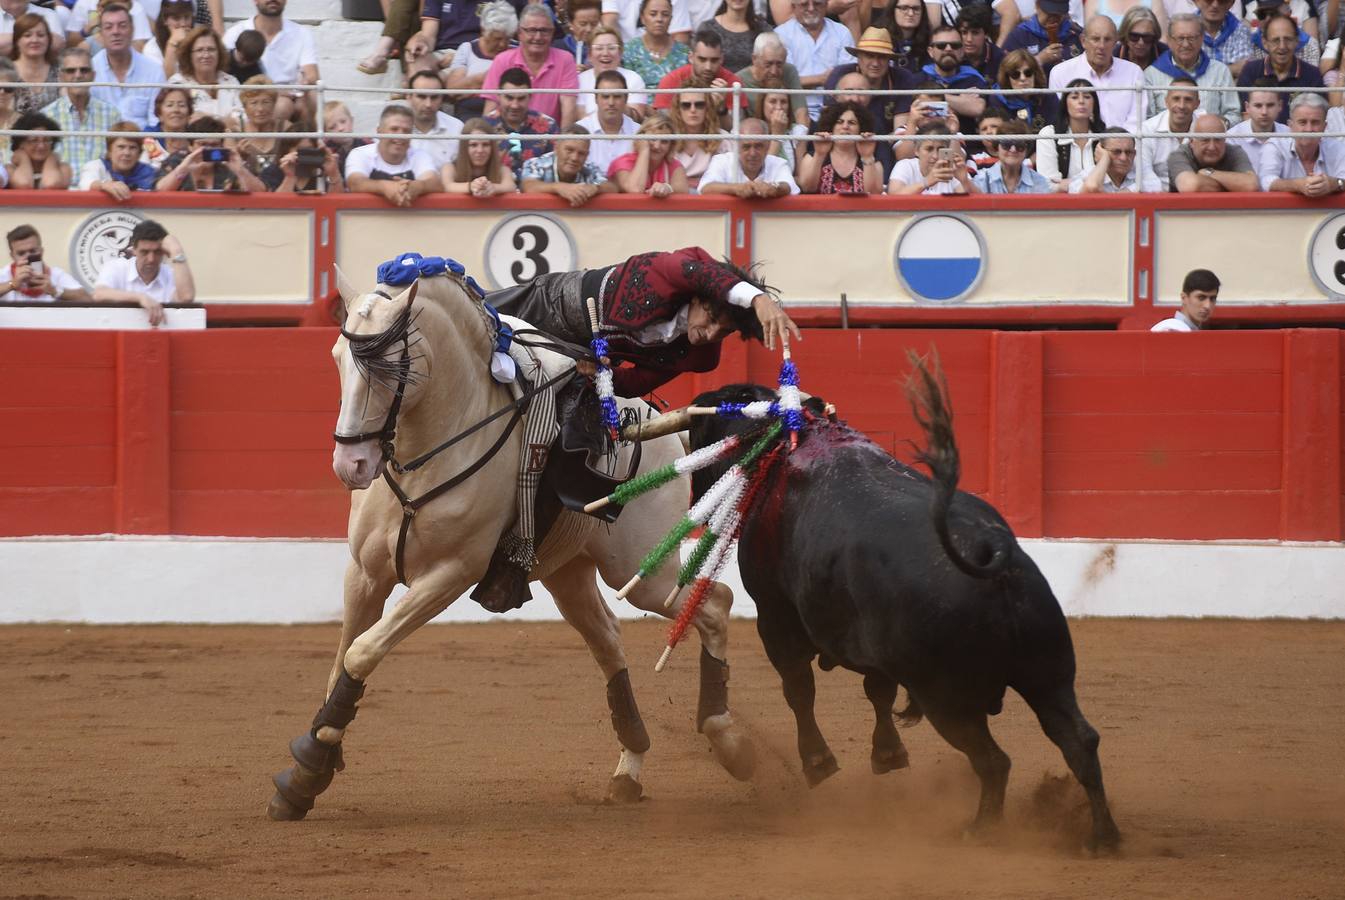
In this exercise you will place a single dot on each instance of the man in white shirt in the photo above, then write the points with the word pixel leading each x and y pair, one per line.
pixel 82 27
pixel 1313 167
pixel 143 278
pixel 390 167
pixel 1113 170
pixel 1100 67
pixel 30 280
pixel 1181 100
pixel 119 62
pixel 1200 291
pixel 291 57
pixel 610 118
pixel 750 172
pixel 11 10
pixel 814 45
pixel 429 118
pixel 1261 125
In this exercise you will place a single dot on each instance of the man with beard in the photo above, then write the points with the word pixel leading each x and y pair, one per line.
pixel 706 70
pixel 947 68
pixel 875 62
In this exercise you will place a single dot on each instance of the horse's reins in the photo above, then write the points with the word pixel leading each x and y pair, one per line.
pixel 388 433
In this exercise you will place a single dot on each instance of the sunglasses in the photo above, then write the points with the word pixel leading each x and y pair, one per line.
pixel 76 70
pixel 1014 146
pixel 692 104
pixel 1142 37
pixel 1023 73
pixel 946 45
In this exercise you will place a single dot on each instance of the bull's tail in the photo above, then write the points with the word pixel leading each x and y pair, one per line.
pixel 928 395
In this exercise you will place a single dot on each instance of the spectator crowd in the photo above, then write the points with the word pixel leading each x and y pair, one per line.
pixel 1195 80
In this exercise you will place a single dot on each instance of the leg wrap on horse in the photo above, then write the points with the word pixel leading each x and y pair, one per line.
pixel 626 721
pixel 714 695
pixel 339 710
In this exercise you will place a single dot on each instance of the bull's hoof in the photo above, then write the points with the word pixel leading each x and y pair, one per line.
pixel 889 760
pixel 623 789
pixel 732 748
pixel 1104 841
pixel 818 769
pixel 282 810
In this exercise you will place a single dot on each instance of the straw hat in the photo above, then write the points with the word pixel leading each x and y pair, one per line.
pixel 874 40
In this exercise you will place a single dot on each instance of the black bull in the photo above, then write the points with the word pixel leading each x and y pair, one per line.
pixel 857 558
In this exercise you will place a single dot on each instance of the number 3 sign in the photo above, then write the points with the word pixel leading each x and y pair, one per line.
pixel 522 247
pixel 1326 256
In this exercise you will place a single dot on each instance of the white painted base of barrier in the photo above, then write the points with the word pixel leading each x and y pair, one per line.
pixel 117 579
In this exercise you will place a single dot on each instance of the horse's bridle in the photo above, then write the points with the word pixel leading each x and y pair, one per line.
pixel 388 433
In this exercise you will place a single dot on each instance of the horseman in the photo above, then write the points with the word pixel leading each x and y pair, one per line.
pixel 661 314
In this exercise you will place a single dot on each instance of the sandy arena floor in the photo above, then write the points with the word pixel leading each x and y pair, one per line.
pixel 135 762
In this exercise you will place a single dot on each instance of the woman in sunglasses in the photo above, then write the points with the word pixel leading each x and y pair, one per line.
pixel 1140 37
pixel 1060 155
pixel 1009 175
pixel 692 113
pixel 1020 71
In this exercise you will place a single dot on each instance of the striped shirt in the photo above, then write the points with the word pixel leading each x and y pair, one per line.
pixel 98 116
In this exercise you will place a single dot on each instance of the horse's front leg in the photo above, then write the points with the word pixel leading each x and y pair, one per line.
pixel 317 752
pixel 574 587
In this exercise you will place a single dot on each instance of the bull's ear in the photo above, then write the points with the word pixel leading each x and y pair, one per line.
pixel 343 287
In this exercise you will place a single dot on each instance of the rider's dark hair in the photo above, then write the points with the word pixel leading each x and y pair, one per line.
pixel 745 318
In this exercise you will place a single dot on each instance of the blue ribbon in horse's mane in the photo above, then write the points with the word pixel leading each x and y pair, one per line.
pixel 409 266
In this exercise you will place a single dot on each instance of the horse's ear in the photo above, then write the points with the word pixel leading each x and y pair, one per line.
pixel 343 287
pixel 411 292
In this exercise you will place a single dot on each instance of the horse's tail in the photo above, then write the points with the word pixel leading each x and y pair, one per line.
pixel 928 395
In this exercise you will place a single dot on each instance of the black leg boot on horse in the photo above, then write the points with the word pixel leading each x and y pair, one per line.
pixel 316 761
pixel 505 585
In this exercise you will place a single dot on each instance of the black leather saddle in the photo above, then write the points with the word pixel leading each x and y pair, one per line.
pixel 583 464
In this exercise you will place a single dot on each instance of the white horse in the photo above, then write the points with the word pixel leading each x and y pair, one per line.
pixel 417 364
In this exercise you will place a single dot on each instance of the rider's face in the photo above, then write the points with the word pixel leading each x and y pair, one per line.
pixel 704 326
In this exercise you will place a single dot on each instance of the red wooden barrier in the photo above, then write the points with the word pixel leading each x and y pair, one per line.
pixel 1070 434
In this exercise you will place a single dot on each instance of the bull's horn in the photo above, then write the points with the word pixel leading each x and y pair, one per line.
pixel 671 422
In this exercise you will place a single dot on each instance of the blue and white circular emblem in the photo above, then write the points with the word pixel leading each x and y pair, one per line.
pixel 940 257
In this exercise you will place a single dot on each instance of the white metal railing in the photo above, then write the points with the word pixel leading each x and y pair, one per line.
pixel 736 92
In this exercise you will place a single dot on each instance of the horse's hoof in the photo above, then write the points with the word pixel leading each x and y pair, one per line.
pixel 819 768
pixel 624 789
pixel 282 810
pixel 732 748
pixel 884 761
pixel 1104 841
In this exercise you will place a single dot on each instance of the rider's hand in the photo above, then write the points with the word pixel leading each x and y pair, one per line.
pixel 775 322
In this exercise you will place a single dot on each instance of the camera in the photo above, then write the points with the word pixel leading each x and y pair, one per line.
pixel 937 109
pixel 309 161
pixel 215 154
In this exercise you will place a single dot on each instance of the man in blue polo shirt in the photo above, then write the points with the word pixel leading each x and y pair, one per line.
pixel 949 70
pixel 1281 39
pixel 118 62
pixel 1051 36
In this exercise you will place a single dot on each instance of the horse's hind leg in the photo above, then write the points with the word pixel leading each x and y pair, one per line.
pixel 730 744
pixel 575 590
pixel 888 751
pixel 1059 715
pixel 317 752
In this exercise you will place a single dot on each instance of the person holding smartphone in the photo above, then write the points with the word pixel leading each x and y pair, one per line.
pixel 208 165
pixel 29 279
pixel 939 166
